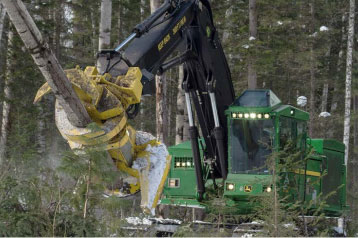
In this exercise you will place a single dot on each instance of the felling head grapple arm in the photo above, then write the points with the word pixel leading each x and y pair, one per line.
pixel 188 25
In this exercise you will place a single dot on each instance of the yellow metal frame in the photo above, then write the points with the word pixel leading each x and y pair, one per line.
pixel 112 131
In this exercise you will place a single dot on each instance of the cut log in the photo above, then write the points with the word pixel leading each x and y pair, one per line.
pixel 47 62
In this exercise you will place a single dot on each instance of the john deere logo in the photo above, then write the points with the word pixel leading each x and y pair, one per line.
pixel 248 188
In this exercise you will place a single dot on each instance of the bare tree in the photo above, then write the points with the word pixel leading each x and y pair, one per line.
pixel 5 125
pixel 228 14
pixel 312 74
pixel 47 62
pixel 251 72
pixel 179 137
pixel 348 97
pixel 161 94
pixel 2 22
pixel 104 29
pixel 142 101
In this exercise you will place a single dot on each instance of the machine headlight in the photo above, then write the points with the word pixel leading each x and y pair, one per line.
pixel 267 116
pixel 234 115
pixel 183 164
pixel 252 115
pixel 230 186
pixel 246 115
pixel 240 115
pixel 177 164
pixel 259 116
pixel 174 183
pixel 188 164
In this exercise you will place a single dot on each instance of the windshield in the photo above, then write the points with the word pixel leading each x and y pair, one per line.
pixel 251 143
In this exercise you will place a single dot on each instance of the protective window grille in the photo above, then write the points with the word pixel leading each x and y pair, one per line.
pixel 183 162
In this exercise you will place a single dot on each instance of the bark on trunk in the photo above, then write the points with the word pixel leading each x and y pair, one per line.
pixel 312 77
pixel 104 29
pixel 142 11
pixel 335 97
pixel 5 125
pixel 2 48
pixel 47 62
pixel 251 71
pixel 324 97
pixel 179 137
pixel 58 22
pixel 41 139
pixel 154 5
pixel 228 14
pixel 2 22
pixel 143 101
pixel 94 33
pixel 161 91
pixel 347 111
pixel 161 109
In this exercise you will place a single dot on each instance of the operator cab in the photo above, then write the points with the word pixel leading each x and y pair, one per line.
pixel 258 124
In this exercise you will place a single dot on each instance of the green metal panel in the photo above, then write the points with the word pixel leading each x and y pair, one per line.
pixel 320 144
pixel 257 182
pixel 182 154
pixel 329 155
pixel 334 180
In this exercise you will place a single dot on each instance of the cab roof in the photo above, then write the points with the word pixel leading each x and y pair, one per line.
pixel 257 98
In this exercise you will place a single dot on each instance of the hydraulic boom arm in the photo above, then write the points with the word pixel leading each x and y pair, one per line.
pixel 186 25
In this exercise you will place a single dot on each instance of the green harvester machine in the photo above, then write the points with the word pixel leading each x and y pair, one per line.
pixel 260 127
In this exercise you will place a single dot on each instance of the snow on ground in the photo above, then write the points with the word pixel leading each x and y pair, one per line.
pixel 288 225
pixel 257 222
pixel 138 221
pixel 301 101
pixel 279 23
pixel 246 46
pixel 252 38
pixel 247 235
pixel 166 221
pixel 313 35
pixel 324 114
pixel 323 28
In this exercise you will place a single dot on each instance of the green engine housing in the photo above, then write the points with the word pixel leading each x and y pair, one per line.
pixel 260 126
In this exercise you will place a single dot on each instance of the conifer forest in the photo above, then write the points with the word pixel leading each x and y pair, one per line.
pixel 68 168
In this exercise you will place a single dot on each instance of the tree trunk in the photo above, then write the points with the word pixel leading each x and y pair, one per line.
pixel 2 48
pixel 143 103
pixel 324 97
pixel 5 125
pixel 179 137
pixel 154 5
pixel 161 109
pixel 169 104
pixel 335 97
pixel 104 30
pixel 94 34
pixel 347 111
pixel 161 91
pixel 41 139
pixel 227 25
pixel 47 63
pixel 251 71
pixel 312 76
pixel 58 26
pixel 142 9
pixel 2 22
